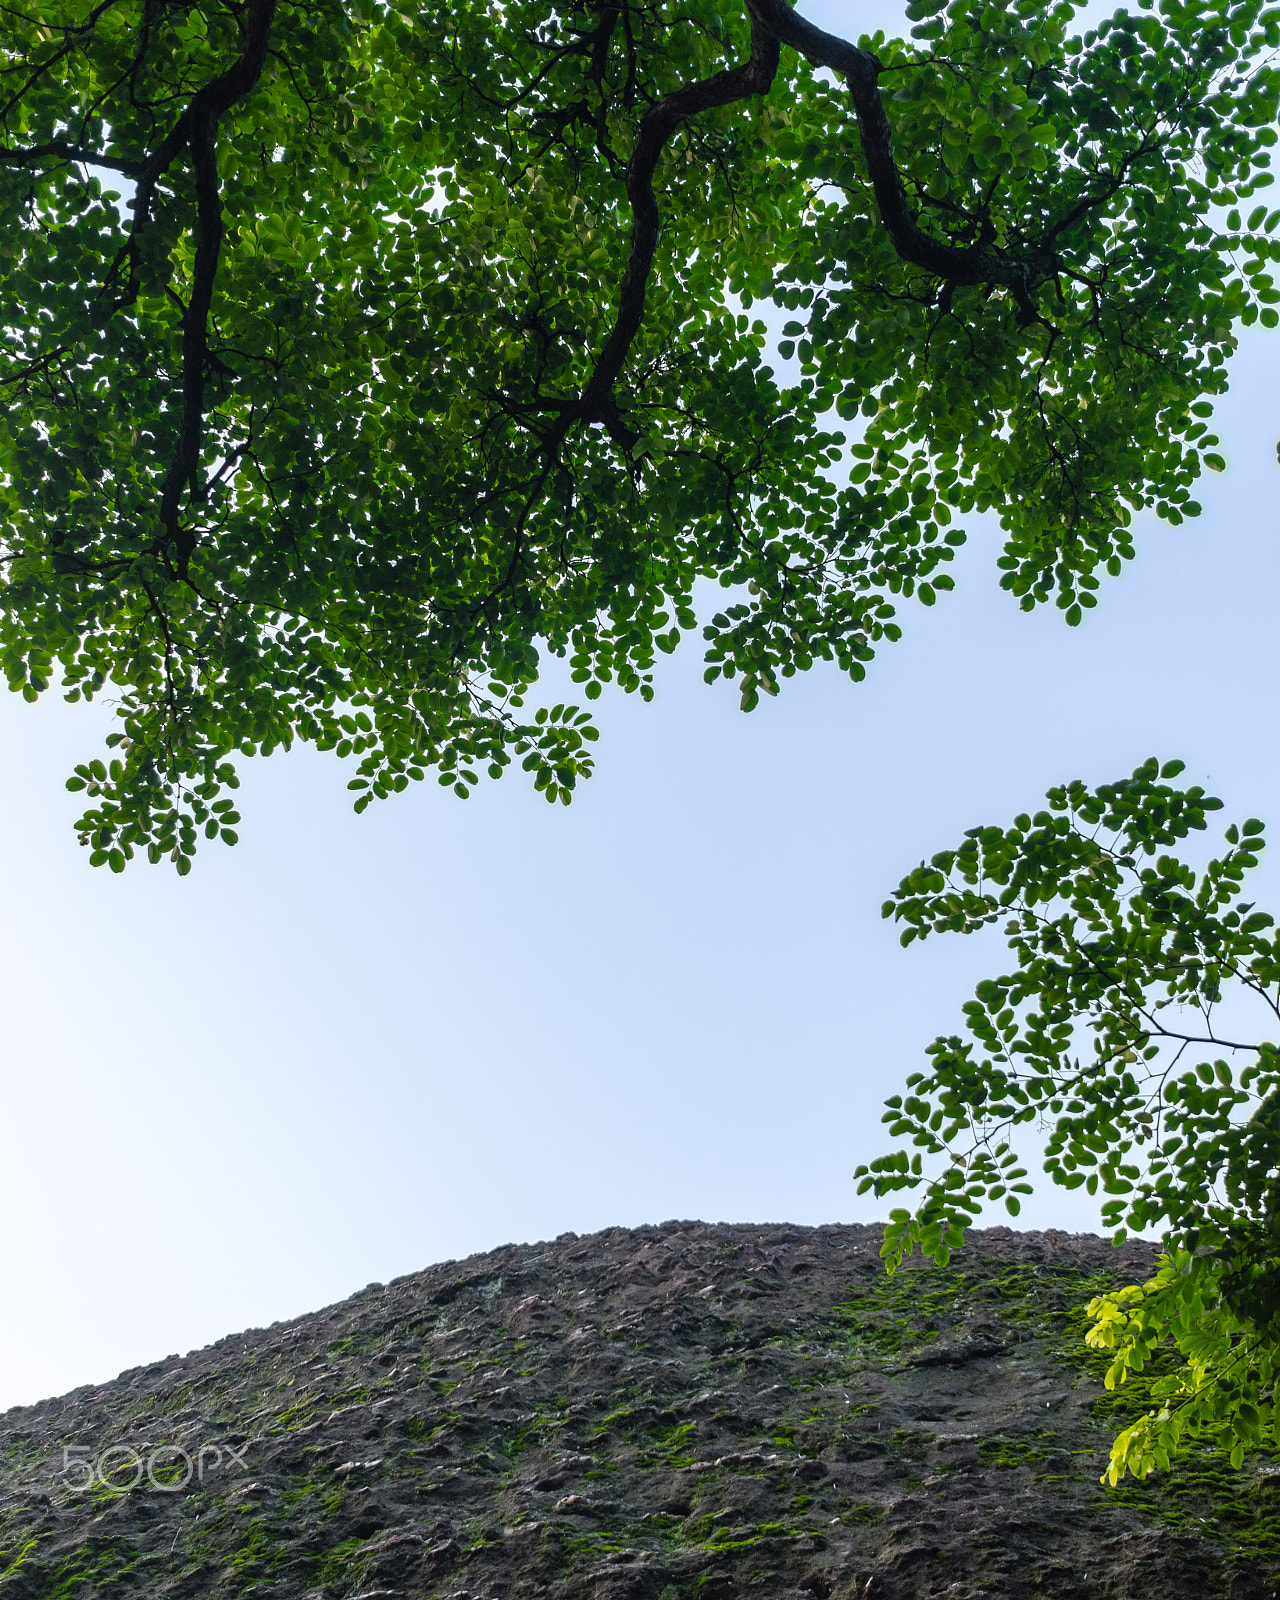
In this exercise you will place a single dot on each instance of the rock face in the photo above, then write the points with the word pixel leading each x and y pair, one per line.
pixel 683 1412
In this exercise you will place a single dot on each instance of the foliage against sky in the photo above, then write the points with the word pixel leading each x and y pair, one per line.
pixel 1128 1032
pixel 429 341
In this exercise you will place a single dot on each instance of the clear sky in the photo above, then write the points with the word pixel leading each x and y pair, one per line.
pixel 353 1046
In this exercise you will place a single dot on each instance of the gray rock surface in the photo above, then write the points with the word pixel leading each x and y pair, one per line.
pixel 684 1412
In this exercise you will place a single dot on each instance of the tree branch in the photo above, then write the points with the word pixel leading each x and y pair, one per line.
pixel 198 129
pixel 64 150
pixel 754 76
pixel 861 70
pixel 774 23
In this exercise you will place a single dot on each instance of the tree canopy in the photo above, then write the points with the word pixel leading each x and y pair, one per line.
pixel 356 355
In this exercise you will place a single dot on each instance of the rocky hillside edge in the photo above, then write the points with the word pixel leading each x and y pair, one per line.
pixel 682 1412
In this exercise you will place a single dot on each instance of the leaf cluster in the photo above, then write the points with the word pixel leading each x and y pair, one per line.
pixel 1108 1038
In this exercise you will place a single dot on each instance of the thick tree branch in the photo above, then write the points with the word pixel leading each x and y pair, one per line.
pixel 774 23
pixel 198 129
pixel 184 469
pixel 754 76
pixel 861 70
pixel 64 150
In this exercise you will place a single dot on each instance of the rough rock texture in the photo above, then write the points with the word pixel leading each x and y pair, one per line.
pixel 672 1412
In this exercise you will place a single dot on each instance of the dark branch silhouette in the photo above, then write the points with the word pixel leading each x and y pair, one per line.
pixel 960 267
pixel 753 77
pixel 773 24
pixel 65 150
pixel 200 127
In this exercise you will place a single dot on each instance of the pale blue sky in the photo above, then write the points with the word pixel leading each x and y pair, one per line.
pixel 353 1046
